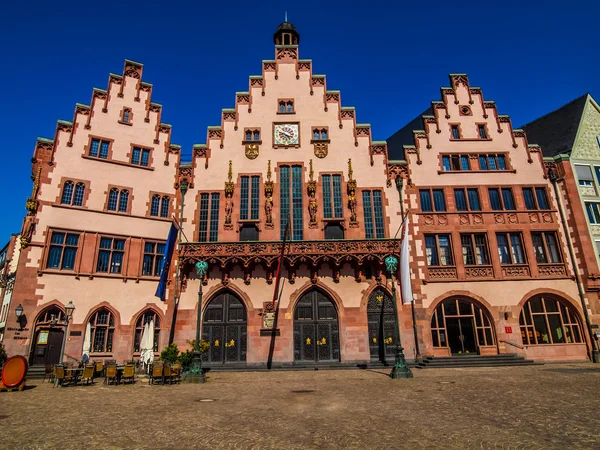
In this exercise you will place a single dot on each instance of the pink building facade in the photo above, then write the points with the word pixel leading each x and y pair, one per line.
pixel 108 184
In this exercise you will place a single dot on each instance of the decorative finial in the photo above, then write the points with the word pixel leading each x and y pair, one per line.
pixel 230 172
pixel 269 170
pixel 350 172
pixel 286 16
pixel 311 173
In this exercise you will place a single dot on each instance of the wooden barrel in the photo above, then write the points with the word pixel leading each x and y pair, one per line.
pixel 14 371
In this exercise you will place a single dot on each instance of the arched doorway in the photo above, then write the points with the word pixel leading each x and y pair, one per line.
pixel 48 337
pixel 382 326
pixel 461 326
pixel 224 326
pixel 316 336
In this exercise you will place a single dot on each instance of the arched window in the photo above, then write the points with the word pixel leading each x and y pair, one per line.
pixel 145 318
pixel 154 208
pixel 79 194
pixel 256 135
pixel 316 135
pixel 546 320
pixel 67 195
pixel 290 107
pixel 324 134
pixel 248 135
pixel 164 206
pixel 126 113
pixel 123 200
pixel 51 315
pixel 113 198
pixel 103 329
pixel 281 107
pixel 286 39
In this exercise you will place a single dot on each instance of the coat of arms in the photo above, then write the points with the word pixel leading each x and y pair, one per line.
pixel 251 151
pixel 320 149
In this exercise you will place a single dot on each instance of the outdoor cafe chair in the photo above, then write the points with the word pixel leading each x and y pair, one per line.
pixel 176 372
pixel 98 368
pixel 110 374
pixel 63 377
pixel 88 374
pixel 48 373
pixel 128 373
pixel 157 372
pixel 167 373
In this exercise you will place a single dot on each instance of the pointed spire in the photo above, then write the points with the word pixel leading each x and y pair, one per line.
pixel 285 17
pixel 230 172
pixel 350 172
pixel 269 170
pixel 311 173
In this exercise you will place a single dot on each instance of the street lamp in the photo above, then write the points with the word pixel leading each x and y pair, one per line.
pixel 19 312
pixel 69 308
pixel 400 370
pixel 196 374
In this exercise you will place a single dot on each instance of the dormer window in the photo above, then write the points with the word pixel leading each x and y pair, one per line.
pixel 320 134
pixel 286 106
pixel 252 135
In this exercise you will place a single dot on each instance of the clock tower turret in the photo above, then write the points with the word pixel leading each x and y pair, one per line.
pixel 286 34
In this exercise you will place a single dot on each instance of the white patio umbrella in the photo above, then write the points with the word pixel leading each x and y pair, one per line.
pixel 87 343
pixel 147 344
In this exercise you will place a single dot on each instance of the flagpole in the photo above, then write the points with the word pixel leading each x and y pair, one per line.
pixel 183 187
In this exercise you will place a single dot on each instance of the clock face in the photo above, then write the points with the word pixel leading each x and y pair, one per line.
pixel 286 134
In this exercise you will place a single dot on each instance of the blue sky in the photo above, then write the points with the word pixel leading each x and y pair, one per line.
pixel 388 59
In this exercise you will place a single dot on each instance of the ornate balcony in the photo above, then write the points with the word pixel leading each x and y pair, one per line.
pixel 360 253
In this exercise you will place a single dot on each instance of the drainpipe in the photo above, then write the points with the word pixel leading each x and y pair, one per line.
pixel 399 185
pixel 594 354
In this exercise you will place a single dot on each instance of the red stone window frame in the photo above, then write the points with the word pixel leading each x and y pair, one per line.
pixel 113 250
pixel 483 127
pixel 431 192
pixel 465 190
pixel 479 255
pixel 285 106
pixel 120 191
pixel 321 190
pixel 534 192
pixel 457 127
pixel 319 134
pixel 500 190
pixel 544 255
pixel 87 148
pixel 450 254
pixel 126 116
pixel 75 193
pixel 254 139
pixel 151 258
pixel 512 255
pixel 102 331
pixel 160 212
pixel 250 197
pixel 64 246
pixel 535 318
pixel 140 159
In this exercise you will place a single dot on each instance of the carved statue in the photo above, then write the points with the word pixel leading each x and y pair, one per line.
pixel 312 209
pixel 28 229
pixel 228 210
pixel 269 209
pixel 352 206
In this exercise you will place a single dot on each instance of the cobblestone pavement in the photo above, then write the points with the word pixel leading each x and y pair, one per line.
pixel 550 406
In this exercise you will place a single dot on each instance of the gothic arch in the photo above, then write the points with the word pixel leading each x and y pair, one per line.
pixel 306 287
pixel 459 293
pixel 94 309
pixel 217 289
pixel 142 310
pixel 554 293
pixel 369 290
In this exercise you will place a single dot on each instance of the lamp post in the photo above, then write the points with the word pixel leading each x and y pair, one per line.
pixel 69 308
pixel 400 370
pixel 19 314
pixel 196 374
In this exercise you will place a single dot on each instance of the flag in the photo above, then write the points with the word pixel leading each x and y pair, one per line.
pixel 166 262
pixel 286 233
pixel 405 283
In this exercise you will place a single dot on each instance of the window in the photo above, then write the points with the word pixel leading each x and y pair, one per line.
pixel 290 191
pixel 455 162
pixel 320 134
pixel 439 202
pixel 593 211
pixel 482 131
pixel 332 195
pixel 438 250
pixel 110 255
pixel 474 249
pixel 286 106
pixel 492 162
pixel 467 199
pixel 535 198
pixel 140 157
pixel 250 195
pixel 118 200
pixel 73 194
pixel 545 320
pixel 584 175
pixel 545 247
pixel 501 199
pixel 453 309
pixel 373 207
pixel 598 248
pixel 159 206
pixel 334 231
pixel 455 132
pixel 510 248
pixel 153 258
pixel 63 250
pixel 252 135
pixel 249 232
pixel 126 114
pixel 99 148
pixel 146 318
pixel 209 217
pixel 102 331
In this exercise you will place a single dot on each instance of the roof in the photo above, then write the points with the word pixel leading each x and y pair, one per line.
pixel 556 131
pixel 404 136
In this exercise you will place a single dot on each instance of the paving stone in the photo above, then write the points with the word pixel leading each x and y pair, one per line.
pixel 533 407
